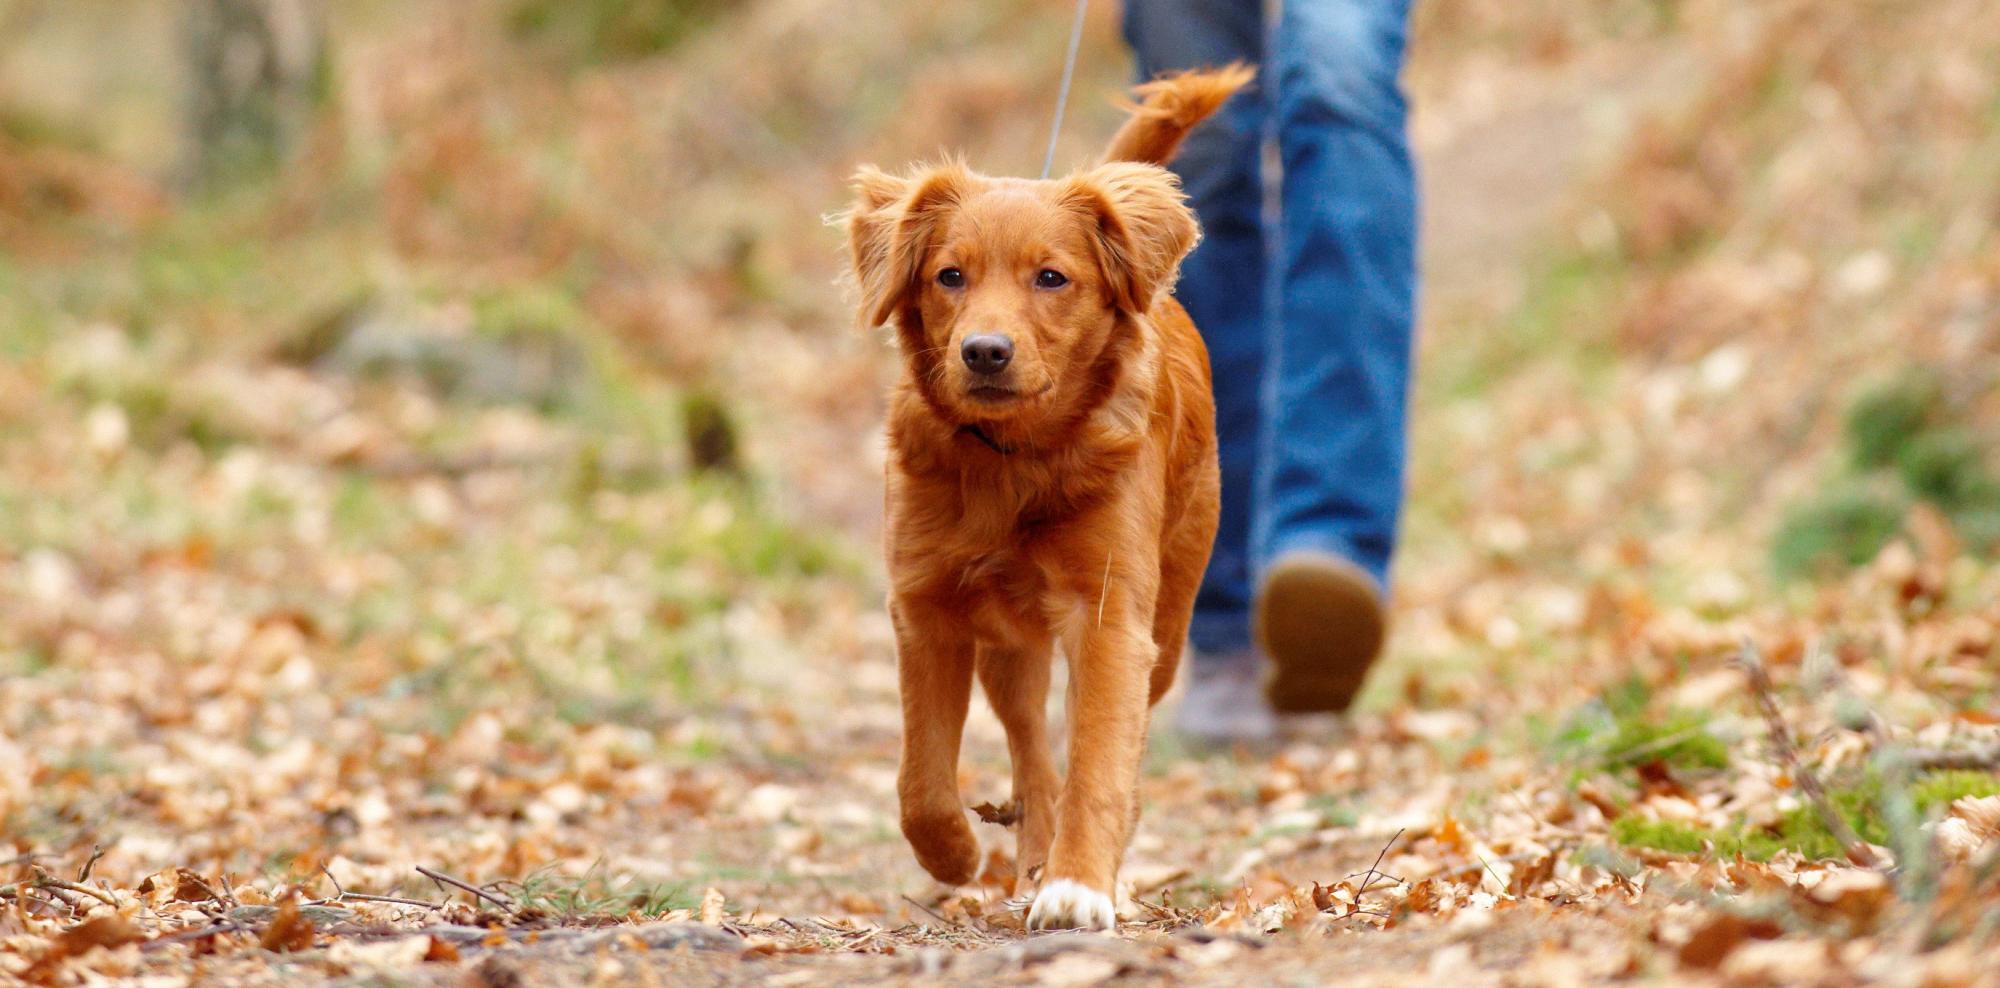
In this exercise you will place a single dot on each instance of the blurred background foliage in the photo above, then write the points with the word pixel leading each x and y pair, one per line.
pixel 611 30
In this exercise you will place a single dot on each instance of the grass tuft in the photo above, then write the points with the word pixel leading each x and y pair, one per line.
pixel 1888 416
pixel 1948 467
pixel 1680 738
pixel 1845 526
pixel 1800 829
pixel 595 894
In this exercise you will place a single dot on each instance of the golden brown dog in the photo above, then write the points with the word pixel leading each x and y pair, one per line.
pixel 1052 477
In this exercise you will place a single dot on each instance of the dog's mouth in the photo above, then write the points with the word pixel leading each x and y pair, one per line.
pixel 991 394
pixel 1002 394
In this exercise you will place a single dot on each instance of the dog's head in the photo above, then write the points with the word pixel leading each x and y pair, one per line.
pixel 1005 292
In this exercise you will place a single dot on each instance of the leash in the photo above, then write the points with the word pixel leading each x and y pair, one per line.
pixel 1048 165
pixel 1062 97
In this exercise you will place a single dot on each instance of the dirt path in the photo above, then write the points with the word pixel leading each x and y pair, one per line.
pixel 1502 154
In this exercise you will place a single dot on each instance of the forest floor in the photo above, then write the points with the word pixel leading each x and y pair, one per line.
pixel 389 636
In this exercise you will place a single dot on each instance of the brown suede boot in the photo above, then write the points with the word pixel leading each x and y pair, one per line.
pixel 1321 620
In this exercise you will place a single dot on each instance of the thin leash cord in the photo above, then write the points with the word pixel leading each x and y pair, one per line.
pixel 1062 97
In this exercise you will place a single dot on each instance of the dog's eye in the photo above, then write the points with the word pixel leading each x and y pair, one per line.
pixel 1050 278
pixel 951 278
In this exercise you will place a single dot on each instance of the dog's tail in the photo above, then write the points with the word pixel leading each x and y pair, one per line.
pixel 1169 108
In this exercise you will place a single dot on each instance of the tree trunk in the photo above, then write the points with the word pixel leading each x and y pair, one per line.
pixel 257 73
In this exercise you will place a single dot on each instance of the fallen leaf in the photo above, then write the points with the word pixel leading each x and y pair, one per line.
pixel 1779 962
pixel 1715 940
pixel 1855 894
pixel 289 930
pixel 1005 815
pixel 99 931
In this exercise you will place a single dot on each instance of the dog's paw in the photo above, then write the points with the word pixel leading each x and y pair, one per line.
pixel 1064 904
pixel 945 846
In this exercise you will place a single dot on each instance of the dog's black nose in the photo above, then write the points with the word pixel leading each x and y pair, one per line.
pixel 987 353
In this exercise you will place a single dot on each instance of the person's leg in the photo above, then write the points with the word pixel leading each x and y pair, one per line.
pixel 1330 483
pixel 1222 281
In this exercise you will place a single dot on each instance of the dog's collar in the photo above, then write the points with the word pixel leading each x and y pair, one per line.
pixel 980 434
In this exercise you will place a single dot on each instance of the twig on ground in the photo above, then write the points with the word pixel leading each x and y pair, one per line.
pixel 1375 870
pixel 1851 843
pixel 444 879
pixel 44 880
pixel 341 894
pixel 206 888
pixel 184 936
pixel 83 873
pixel 391 899
pixel 20 894
pixel 928 909
pixel 1984 758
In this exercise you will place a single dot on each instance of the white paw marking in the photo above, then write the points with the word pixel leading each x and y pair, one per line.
pixel 1064 904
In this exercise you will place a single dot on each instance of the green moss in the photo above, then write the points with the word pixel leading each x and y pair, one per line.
pixel 612 30
pixel 1680 739
pixel 1979 528
pixel 595 894
pixel 1948 467
pixel 1801 830
pixel 1662 835
pixel 1842 528
pixel 1890 415
pixel 1939 790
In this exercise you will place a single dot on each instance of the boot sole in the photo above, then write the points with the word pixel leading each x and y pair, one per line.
pixel 1320 619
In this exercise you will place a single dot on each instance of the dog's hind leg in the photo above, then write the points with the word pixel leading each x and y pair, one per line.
pixel 934 663
pixel 1182 561
pixel 1016 680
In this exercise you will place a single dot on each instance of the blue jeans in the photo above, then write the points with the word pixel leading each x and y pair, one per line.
pixel 1305 287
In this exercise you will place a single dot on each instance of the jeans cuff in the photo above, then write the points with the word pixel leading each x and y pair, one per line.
pixel 1331 545
pixel 1219 635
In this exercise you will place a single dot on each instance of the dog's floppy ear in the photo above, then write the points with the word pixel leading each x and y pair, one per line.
pixel 890 228
pixel 1143 228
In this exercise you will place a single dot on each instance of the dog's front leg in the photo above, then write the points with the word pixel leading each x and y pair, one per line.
pixel 934 664
pixel 1109 678
pixel 1017 683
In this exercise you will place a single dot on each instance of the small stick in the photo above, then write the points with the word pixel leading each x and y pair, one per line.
pixel 928 909
pixel 1856 849
pixel 438 876
pixel 1375 869
pixel 215 929
pixel 338 891
pixel 83 874
pixel 366 897
pixel 213 895
pixel 341 894
pixel 1931 759
pixel 1489 870
pixel 44 880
